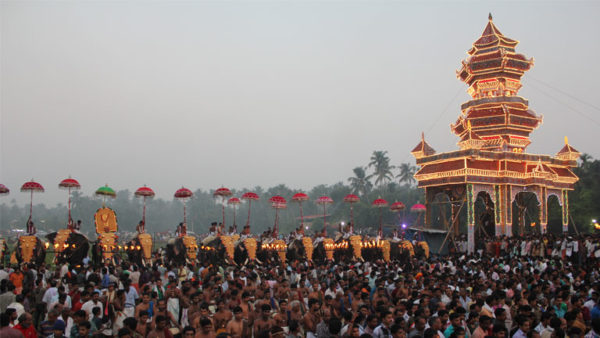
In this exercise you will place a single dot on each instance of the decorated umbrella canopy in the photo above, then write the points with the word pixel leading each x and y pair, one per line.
pixel 4 190
pixel 299 198
pixel 31 187
pixel 351 199
pixel 183 194
pixel 234 201
pixel 105 192
pixel 397 207
pixel 249 196
pixel 144 192
pixel 380 203
pixel 418 208
pixel 222 193
pixel 324 201
pixel 277 202
pixel 69 184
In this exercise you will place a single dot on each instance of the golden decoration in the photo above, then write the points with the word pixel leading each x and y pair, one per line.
pixel 308 247
pixel 105 220
pixel 146 242
pixel 328 244
pixel 250 244
pixel 61 238
pixel 385 250
pixel 108 244
pixel 191 247
pixel 281 248
pixel 407 245
pixel 355 243
pixel 228 244
pixel 27 245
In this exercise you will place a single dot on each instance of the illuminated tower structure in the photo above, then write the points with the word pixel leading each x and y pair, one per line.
pixel 494 128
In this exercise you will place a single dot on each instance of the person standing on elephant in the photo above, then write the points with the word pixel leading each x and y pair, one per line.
pixel 141 227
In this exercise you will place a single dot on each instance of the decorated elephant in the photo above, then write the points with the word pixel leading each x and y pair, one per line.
pixel 106 248
pixel 29 249
pixel 296 250
pixel 139 249
pixel 69 246
pixel 182 249
pixel 245 250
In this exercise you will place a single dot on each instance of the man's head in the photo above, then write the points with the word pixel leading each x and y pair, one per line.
pixel 206 325
pixel 59 328
pixel 130 323
pixel 455 319
pixel 485 322
pixel 387 319
pixel 420 323
pixel 84 328
pixel 189 332
pixel 25 320
pixel 238 313
pixel 161 322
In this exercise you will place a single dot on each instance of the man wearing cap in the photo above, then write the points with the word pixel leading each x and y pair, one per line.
pixel 58 329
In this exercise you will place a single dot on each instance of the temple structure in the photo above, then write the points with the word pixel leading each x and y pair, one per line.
pixel 494 130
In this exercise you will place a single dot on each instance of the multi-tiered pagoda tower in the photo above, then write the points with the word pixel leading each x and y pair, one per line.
pixel 494 129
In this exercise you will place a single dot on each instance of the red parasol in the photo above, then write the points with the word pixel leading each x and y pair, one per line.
pixel 351 199
pixel 324 200
pixel 418 208
pixel 183 195
pixel 277 202
pixel 235 202
pixel 397 207
pixel 249 196
pixel 31 187
pixel 222 193
pixel 144 192
pixel 299 198
pixel 380 203
pixel 4 190
pixel 69 184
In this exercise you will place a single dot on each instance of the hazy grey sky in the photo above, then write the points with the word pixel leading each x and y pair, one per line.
pixel 242 93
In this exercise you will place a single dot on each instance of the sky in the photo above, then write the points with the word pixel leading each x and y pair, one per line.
pixel 247 93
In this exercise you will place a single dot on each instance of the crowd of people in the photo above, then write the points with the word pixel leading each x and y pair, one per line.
pixel 511 287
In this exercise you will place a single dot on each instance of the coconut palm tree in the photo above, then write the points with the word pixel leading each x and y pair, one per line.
pixel 407 173
pixel 360 183
pixel 382 170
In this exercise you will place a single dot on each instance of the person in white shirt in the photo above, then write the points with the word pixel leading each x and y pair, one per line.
pixel 91 304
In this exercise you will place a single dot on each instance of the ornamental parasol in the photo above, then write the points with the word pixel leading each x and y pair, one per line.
pixel 277 202
pixel 144 192
pixel 380 203
pixel 235 202
pixel 299 198
pixel 351 199
pixel 4 190
pixel 249 196
pixel 69 184
pixel 31 187
pixel 418 208
pixel 105 192
pixel 183 195
pixel 324 200
pixel 397 207
pixel 222 193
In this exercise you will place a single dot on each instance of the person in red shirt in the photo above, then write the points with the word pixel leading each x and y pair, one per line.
pixel 25 326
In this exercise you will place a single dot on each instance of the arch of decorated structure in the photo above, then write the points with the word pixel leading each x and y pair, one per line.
pixel 494 129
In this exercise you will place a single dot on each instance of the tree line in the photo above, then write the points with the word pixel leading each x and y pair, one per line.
pixel 377 179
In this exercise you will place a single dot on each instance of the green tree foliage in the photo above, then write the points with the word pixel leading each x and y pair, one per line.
pixel 382 169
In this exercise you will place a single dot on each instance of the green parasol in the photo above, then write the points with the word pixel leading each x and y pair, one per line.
pixel 105 192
